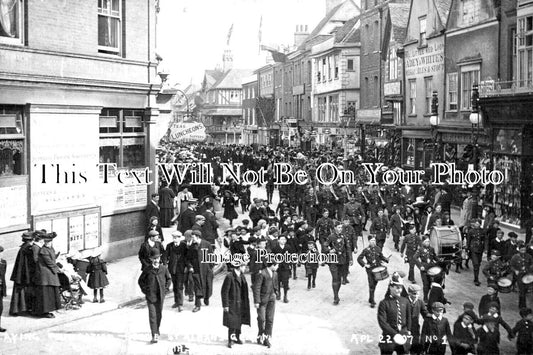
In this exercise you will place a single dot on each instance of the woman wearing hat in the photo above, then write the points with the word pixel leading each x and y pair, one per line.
pixel 22 277
pixel 234 295
pixel 229 202
pixel 47 298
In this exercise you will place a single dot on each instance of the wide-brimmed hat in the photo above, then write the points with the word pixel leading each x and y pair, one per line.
pixel 49 236
pixel 27 235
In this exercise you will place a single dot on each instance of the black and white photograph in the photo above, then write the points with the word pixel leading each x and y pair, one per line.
pixel 336 177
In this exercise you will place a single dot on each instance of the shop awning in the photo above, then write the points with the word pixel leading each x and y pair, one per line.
pixel 225 112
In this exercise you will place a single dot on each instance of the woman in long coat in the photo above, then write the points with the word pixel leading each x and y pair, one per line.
pixel 236 303
pixel 47 284
pixel 229 203
pixel 22 278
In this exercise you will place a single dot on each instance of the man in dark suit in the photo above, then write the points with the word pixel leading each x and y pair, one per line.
pixel 380 228
pixel 265 292
pixel 418 308
pixel 210 227
pixel 176 258
pixel 188 217
pixel 166 205
pixel 202 272
pixel 147 247
pixel 152 209
pixel 154 281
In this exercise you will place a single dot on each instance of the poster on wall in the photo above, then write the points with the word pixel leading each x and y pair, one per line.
pixel 92 230
pixel 60 226
pixel 76 233
pixel 13 205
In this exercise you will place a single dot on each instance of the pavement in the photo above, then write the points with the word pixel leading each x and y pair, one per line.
pixel 308 324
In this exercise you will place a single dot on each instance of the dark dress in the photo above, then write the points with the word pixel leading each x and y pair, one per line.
pixel 21 277
pixel 229 207
pixel 47 298
pixel 97 271
pixel 234 295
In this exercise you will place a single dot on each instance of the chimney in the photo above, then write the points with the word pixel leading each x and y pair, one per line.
pixel 227 60
pixel 330 4
pixel 300 35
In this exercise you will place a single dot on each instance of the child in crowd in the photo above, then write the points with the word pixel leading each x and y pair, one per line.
pixel 97 271
pixel 524 333
pixel 311 267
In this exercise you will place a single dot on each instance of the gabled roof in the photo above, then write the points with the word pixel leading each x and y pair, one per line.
pixel 399 15
pixel 443 9
pixel 232 79
pixel 348 32
pixel 211 77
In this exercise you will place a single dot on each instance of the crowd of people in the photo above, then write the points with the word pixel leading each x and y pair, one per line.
pixel 331 219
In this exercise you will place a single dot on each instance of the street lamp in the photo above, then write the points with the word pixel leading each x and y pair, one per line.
pixel 348 113
pixel 475 119
pixel 434 121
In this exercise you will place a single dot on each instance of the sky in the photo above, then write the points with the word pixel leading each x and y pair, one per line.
pixel 192 34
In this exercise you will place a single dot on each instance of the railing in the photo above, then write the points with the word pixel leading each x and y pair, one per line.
pixel 490 88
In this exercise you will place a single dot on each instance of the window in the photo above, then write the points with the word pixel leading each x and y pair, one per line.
pixel 367 91
pixel 329 67
pixel 350 66
pixel 469 77
pixel 412 97
pixel 11 140
pixel 11 17
pixel 122 137
pixel 336 65
pixel 375 91
pixel 452 91
pixel 321 109
pixel 393 65
pixel 422 40
pixel 333 109
pixel 512 54
pixel 428 85
pixel 525 51
pixel 109 26
pixel 324 69
pixel 367 36
pixel 377 34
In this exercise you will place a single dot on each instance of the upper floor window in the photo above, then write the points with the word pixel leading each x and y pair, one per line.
pixel 470 75
pixel 109 26
pixel 11 18
pixel 452 91
pixel 412 97
pixel 12 139
pixel 336 65
pixel 393 65
pixel 422 40
pixel 428 85
pixel 525 51
pixel 350 66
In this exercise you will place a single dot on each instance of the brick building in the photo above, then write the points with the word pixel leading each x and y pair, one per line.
pixel 76 90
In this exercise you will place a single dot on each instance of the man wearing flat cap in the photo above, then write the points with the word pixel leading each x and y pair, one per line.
pixel 154 282
pixel 436 331
pixel 370 258
pixel 187 217
pixel 511 246
pixel 380 227
pixel 394 319
pixel 476 246
pixel 175 255
pixel 418 308
pixel 146 247
pixel 521 264
pixel 22 277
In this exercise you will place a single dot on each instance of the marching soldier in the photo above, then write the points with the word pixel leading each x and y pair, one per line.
pixel 324 227
pixel 521 264
pixel 355 212
pixel 425 258
pixel 373 257
pixel 410 245
pixel 380 227
pixel 349 232
pixel 476 245
pixel 496 268
pixel 339 244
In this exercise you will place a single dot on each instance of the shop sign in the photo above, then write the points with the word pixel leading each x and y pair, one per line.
pixel 394 88
pixel 298 90
pixel 187 131
pixel 13 209
pixel 424 61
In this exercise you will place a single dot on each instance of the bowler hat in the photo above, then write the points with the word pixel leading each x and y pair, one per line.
pixel 155 253
pixel 191 201
pixel 27 235
pixel 512 235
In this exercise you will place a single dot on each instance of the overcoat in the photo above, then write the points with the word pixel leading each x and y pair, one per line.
pixel 46 273
pixel 234 295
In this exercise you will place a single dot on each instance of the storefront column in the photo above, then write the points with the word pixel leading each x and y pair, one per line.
pixel 151 115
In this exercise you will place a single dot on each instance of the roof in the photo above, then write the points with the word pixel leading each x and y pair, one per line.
pixel 211 77
pixel 345 33
pixel 232 79
pixel 443 9
pixel 399 15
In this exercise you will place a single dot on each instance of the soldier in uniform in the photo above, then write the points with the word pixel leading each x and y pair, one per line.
pixel 476 246
pixel 521 264
pixel 394 317
pixel 410 245
pixel 380 227
pixel 355 212
pixel 496 268
pixel 373 257
pixel 425 258
pixel 324 227
pixel 349 232
pixel 338 244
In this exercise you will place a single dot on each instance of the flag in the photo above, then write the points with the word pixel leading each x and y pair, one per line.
pixel 260 32
pixel 229 33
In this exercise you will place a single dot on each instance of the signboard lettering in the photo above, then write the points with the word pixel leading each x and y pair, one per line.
pixel 427 60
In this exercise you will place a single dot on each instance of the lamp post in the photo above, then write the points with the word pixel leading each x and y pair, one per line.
pixel 475 119
pixel 349 113
pixel 434 121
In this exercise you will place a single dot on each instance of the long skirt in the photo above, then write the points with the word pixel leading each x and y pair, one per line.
pixel 47 299
pixel 20 299
pixel 166 215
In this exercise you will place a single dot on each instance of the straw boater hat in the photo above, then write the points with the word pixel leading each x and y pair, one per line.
pixel 96 252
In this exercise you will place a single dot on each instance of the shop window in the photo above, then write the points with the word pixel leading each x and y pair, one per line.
pixel 122 138
pixel 428 85
pixel 11 141
pixel 452 91
pixel 469 77
pixel 109 26
pixel 11 21
pixel 409 152
pixel 507 196
pixel 508 141
pixel 393 65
